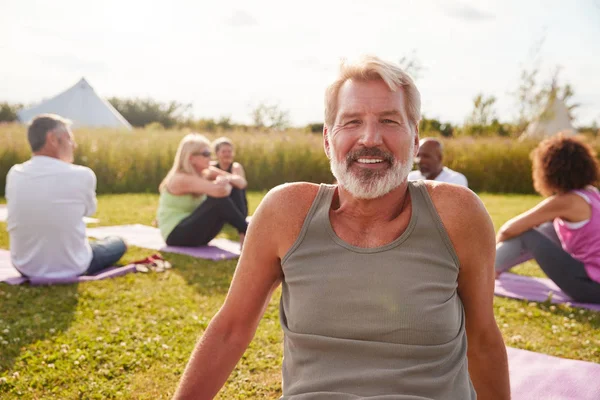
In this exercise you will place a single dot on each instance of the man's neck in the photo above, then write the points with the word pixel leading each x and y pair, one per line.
pixel 46 153
pixel 383 209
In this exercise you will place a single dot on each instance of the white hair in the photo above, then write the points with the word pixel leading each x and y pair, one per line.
pixel 371 68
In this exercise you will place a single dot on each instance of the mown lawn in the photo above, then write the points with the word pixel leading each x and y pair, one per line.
pixel 130 337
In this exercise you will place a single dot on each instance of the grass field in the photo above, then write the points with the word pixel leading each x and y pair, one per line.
pixel 491 164
pixel 130 337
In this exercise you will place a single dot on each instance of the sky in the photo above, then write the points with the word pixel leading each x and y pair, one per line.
pixel 227 57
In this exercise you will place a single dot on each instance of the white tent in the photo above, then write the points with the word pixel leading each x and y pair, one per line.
pixel 82 105
pixel 555 118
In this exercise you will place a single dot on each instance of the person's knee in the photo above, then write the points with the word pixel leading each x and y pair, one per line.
pixel 119 245
pixel 533 239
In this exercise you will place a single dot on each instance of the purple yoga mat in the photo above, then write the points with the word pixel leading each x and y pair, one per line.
pixel 9 275
pixel 535 289
pixel 539 376
pixel 150 238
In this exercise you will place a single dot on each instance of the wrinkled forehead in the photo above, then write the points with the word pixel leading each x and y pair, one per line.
pixel 366 97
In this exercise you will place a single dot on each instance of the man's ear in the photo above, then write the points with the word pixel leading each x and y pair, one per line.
pixel 326 145
pixel 53 139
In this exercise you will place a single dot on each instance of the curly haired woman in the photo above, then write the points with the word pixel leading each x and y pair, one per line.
pixel 562 233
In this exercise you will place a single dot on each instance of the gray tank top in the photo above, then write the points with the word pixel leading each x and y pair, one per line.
pixel 382 323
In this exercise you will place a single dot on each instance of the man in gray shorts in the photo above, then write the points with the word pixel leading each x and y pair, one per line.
pixel 382 279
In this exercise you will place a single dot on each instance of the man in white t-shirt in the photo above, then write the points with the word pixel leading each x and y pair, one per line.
pixel 47 199
pixel 431 167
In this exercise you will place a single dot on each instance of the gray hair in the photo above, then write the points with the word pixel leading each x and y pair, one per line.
pixel 371 68
pixel 41 125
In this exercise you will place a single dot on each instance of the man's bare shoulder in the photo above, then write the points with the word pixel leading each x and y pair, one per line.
pixel 281 214
pixel 465 219
pixel 458 207
pixel 290 199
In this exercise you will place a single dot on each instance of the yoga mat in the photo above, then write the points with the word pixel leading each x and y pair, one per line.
pixel 150 238
pixel 539 376
pixel 535 289
pixel 8 274
pixel 4 216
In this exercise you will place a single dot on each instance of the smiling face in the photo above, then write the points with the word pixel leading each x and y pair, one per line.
pixel 225 154
pixel 372 143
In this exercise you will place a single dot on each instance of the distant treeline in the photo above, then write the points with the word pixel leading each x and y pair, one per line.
pixel 156 116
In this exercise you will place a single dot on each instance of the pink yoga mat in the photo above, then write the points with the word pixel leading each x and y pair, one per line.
pixel 536 376
pixel 9 275
pixel 535 289
pixel 150 238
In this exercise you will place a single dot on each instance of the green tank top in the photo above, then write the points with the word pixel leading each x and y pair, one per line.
pixel 172 209
pixel 384 322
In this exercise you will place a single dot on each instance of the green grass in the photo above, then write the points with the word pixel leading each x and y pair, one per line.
pixel 130 337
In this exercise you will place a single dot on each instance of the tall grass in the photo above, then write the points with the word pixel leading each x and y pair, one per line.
pixel 134 162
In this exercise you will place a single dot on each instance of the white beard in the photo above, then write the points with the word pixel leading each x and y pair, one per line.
pixel 372 184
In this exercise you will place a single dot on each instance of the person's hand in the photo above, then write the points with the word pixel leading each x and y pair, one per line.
pixel 223 187
pixel 222 178
pixel 500 236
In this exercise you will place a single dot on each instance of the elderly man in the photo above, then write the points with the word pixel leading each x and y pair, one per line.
pixel 383 279
pixel 430 158
pixel 47 199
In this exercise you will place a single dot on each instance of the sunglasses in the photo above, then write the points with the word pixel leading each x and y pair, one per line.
pixel 205 153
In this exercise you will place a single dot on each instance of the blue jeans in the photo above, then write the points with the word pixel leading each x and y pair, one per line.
pixel 105 253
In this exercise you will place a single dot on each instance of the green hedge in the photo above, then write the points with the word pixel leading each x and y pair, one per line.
pixel 133 162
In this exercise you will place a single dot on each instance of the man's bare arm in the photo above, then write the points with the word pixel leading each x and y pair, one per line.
pixel 257 275
pixel 274 228
pixel 472 234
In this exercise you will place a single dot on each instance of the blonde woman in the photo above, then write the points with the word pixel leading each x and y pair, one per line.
pixel 225 165
pixel 194 199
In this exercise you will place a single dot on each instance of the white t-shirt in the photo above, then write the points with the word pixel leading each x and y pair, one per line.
pixel 47 200
pixel 447 175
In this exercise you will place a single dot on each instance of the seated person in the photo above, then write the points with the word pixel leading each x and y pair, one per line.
pixel 562 233
pixel 430 158
pixel 225 164
pixel 195 201
pixel 47 199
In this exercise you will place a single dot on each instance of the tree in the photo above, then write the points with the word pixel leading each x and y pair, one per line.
pixel 534 92
pixel 412 65
pixel 433 126
pixel 141 112
pixel 270 116
pixel 8 111
pixel 483 112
